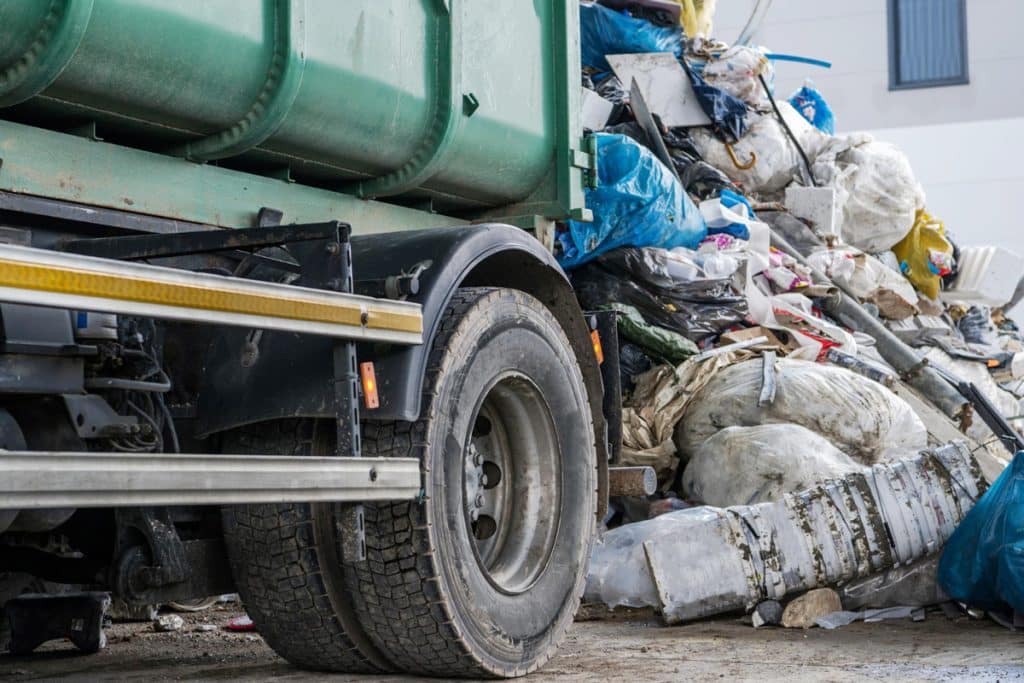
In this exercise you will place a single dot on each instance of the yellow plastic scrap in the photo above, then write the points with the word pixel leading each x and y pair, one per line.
pixel 696 16
pixel 925 255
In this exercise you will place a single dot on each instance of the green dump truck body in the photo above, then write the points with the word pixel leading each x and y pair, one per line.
pixel 354 110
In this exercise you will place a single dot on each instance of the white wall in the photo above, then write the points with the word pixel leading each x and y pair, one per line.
pixel 853 36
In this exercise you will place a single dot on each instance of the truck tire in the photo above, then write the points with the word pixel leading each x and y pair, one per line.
pixel 286 562
pixel 482 576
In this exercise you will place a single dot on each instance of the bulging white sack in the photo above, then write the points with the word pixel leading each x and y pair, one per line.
pixel 860 417
pixel 747 465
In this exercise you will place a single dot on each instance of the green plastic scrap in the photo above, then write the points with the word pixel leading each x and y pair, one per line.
pixel 656 341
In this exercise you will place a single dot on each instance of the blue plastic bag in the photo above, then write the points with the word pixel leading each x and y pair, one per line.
pixel 813 107
pixel 604 31
pixel 983 562
pixel 638 203
pixel 728 114
pixel 739 204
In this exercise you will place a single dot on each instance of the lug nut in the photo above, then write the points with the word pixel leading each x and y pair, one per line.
pixel 480 500
pixel 483 480
pixel 474 515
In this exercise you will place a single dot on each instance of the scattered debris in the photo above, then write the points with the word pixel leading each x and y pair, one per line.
pixel 166 623
pixel 242 623
pixel 767 613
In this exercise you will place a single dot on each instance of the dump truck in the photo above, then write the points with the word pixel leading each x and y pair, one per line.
pixel 280 316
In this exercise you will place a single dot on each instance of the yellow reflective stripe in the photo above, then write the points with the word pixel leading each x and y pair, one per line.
pixel 126 288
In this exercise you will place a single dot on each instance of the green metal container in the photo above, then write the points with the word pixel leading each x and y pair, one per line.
pixel 464 107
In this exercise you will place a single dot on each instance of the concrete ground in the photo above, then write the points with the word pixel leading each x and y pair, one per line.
pixel 635 649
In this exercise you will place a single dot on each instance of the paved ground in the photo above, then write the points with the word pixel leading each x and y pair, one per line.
pixel 636 650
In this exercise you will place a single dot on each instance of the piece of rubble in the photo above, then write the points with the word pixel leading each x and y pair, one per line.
pixel 767 613
pixel 205 628
pixel 166 623
pixel 811 606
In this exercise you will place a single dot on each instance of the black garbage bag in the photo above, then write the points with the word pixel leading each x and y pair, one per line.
pixel 632 362
pixel 699 178
pixel 704 181
pixel 611 89
pixel 977 327
pixel 630 129
pixel 679 140
pixel 698 309
pixel 728 114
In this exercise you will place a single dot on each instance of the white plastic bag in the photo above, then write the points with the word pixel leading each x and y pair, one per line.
pixel 747 465
pixel 860 417
pixel 776 160
pixel 875 186
pixel 736 70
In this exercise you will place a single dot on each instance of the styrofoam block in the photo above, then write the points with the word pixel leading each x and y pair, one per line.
pixel 988 276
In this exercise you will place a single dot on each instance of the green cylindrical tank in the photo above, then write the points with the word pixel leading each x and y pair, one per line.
pixel 471 104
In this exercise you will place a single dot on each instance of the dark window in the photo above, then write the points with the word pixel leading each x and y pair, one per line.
pixel 927 43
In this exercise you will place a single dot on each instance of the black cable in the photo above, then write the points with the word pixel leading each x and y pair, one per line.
pixel 782 120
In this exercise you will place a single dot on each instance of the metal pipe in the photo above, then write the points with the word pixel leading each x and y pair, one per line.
pixel 631 481
pixel 912 368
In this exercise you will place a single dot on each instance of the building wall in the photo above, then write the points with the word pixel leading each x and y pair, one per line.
pixel 854 37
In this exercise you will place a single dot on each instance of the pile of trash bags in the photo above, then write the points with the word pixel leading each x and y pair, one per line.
pixel 802 347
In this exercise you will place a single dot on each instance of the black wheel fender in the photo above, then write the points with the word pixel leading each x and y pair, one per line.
pixel 291 374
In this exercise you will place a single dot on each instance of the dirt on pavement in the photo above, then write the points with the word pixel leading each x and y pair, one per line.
pixel 634 649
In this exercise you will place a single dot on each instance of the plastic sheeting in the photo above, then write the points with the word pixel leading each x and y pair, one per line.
pixel 747 465
pixel 983 563
pixel 860 417
pixel 638 202
pixel 604 31
pixel 915 585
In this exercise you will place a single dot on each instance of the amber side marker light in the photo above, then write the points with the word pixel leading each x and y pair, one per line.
pixel 369 379
pixel 595 339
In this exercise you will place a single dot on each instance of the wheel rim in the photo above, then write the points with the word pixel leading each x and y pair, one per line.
pixel 512 483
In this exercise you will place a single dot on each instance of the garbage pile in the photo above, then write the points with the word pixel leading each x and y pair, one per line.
pixel 823 381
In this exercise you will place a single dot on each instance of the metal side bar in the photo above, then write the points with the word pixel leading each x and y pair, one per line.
pixel 33 480
pixel 42 277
